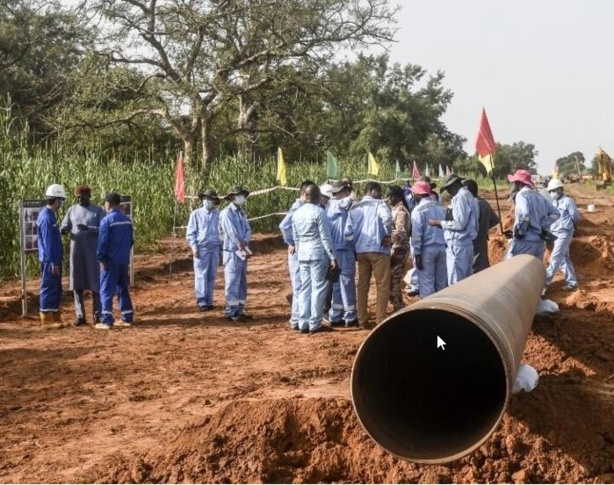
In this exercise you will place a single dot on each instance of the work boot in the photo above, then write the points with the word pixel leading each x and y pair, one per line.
pixel 80 322
pixel 48 320
pixel 58 318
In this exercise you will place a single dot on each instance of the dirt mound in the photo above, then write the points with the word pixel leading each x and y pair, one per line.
pixel 593 253
pixel 320 440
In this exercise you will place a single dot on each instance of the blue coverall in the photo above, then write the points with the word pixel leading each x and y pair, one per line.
pixel 115 241
pixel 533 214
pixel 295 276
pixel 563 229
pixel 234 229
pixel 459 234
pixel 203 235
pixel 344 291
pixel 428 242
pixel 311 232
pixel 50 253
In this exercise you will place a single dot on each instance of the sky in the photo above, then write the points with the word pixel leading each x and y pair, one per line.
pixel 543 69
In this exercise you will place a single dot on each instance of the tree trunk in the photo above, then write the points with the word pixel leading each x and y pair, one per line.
pixel 208 147
pixel 248 139
pixel 189 149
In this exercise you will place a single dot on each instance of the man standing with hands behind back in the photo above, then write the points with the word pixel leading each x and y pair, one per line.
pixel 369 226
pixel 115 242
pixel 311 233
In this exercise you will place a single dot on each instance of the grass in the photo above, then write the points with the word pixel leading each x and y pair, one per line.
pixel 149 179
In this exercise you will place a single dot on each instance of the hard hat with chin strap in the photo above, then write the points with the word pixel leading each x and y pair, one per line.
pixel 55 191
pixel 554 184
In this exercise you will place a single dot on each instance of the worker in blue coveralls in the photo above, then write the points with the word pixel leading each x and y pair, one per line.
pixel 311 232
pixel 115 240
pixel 286 231
pixel 460 231
pixel 343 306
pixel 236 235
pixel 203 236
pixel 50 254
pixel 533 216
pixel 563 229
pixel 427 242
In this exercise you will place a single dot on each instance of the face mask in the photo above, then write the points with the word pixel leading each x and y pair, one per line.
pixel 556 195
pixel 61 202
pixel 239 199
pixel 208 204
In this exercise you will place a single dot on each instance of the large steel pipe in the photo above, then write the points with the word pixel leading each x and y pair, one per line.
pixel 427 402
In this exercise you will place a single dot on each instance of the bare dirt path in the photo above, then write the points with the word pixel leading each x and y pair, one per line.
pixel 187 396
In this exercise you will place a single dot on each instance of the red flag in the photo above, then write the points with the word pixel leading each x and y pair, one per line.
pixel 415 173
pixel 485 143
pixel 180 180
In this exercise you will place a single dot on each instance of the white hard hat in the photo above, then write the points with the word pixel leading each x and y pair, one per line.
pixel 56 191
pixel 554 184
pixel 326 190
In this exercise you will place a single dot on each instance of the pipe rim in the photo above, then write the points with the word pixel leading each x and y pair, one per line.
pixel 494 340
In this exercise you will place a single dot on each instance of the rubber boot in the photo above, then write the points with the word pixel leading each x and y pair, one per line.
pixel 48 319
pixel 57 317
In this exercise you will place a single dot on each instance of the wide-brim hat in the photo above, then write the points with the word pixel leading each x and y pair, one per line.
pixel 339 186
pixel 522 176
pixel 326 190
pixel 209 194
pixel 236 190
pixel 426 178
pixel 421 188
pixel 451 180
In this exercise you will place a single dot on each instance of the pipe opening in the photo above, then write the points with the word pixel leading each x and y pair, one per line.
pixel 421 402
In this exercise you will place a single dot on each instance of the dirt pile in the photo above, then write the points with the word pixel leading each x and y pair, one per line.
pixel 320 440
pixel 188 396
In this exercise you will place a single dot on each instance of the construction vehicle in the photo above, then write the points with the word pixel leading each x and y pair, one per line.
pixel 604 163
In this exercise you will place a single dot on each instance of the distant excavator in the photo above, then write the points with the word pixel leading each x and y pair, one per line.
pixel 604 163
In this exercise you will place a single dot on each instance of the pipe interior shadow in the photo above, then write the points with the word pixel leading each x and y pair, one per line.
pixel 421 402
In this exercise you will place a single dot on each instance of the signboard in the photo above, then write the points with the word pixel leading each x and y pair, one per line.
pixel 28 240
pixel 125 203
pixel 28 214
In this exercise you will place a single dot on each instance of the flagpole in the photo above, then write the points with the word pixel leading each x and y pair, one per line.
pixel 170 265
pixel 494 182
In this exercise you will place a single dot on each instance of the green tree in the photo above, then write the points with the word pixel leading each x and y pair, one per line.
pixel 206 55
pixel 392 110
pixel 40 46
pixel 572 164
pixel 508 159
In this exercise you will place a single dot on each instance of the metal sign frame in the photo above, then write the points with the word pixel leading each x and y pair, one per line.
pixel 29 209
pixel 125 202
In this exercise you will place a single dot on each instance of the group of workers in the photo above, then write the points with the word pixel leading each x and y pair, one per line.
pixel 331 236
pixel 211 232
pixel 101 241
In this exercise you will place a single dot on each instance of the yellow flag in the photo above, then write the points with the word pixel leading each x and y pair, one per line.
pixel 372 165
pixel 487 161
pixel 281 168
